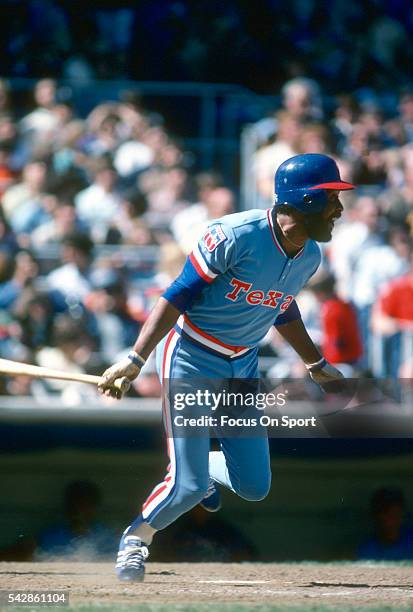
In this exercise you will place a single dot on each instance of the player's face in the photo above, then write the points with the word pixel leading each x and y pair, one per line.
pixel 320 225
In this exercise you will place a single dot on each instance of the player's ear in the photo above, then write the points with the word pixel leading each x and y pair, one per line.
pixel 293 213
pixel 284 209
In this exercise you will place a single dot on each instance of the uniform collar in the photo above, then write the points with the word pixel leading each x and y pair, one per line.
pixel 276 235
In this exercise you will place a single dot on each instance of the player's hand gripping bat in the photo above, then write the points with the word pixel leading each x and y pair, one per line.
pixel 126 369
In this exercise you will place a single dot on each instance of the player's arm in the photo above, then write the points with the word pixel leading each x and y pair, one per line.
pixel 176 300
pixel 291 327
pixel 160 321
pixel 196 275
pixel 210 257
pixel 295 333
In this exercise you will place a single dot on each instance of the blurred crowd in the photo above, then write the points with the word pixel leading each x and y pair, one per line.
pixel 98 214
pixel 359 304
pixel 96 218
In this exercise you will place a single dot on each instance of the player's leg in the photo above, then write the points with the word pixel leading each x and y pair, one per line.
pixel 186 481
pixel 243 464
pixel 185 369
pixel 183 487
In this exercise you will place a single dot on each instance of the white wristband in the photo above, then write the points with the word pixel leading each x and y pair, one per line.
pixel 318 365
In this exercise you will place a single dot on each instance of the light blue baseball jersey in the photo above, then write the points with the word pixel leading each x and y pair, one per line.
pixel 245 280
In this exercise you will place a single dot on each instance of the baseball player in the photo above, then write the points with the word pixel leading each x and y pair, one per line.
pixel 241 279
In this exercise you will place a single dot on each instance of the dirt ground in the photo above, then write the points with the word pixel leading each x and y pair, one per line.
pixel 349 585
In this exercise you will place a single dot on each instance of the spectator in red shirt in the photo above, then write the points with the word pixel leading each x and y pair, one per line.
pixel 340 331
pixel 393 321
pixel 394 311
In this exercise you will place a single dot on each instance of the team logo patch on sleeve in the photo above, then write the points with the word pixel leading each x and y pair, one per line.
pixel 213 237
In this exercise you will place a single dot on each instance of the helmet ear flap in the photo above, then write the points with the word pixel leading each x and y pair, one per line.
pixel 314 202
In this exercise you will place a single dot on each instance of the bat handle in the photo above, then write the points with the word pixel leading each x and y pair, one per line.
pixel 123 384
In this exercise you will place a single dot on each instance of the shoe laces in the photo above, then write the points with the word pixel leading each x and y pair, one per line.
pixel 211 488
pixel 134 553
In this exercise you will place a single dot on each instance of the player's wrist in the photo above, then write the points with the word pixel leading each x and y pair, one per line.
pixel 317 365
pixel 136 359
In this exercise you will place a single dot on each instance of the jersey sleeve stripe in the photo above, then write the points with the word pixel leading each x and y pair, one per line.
pixel 200 257
pixel 203 272
pixel 199 253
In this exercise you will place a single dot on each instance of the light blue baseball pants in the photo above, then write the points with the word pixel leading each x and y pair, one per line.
pixel 242 465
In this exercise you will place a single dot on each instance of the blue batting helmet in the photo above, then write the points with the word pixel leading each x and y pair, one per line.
pixel 302 182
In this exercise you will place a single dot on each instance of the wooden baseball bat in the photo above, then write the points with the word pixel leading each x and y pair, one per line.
pixel 16 368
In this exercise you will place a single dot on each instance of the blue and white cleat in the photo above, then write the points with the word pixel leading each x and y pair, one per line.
pixel 130 563
pixel 212 500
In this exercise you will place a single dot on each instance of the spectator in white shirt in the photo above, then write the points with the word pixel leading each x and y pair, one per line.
pixel 302 99
pixel 97 205
pixel 188 225
pixel 29 190
pixel 133 155
pixel 42 119
pixel 379 264
pixel 354 236
pixel 72 279
pixel 270 157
